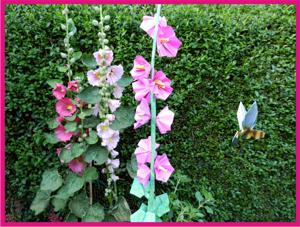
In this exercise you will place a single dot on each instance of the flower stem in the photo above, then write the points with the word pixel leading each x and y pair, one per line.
pixel 91 189
pixel 101 25
pixel 68 46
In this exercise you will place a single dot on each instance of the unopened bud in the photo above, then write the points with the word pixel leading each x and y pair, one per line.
pixel 63 27
pixel 107 17
pixel 63 55
pixel 106 27
pixel 95 22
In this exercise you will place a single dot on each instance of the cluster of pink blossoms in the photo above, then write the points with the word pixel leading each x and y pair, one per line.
pixel 160 86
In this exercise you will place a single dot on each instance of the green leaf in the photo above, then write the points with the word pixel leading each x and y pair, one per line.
pixel 66 155
pixel 52 82
pixel 71 218
pixel 137 188
pixel 96 153
pixel 77 55
pixel 91 122
pixel 161 204
pixel 124 118
pixel 90 174
pixel 209 210
pixel 78 149
pixel 199 197
pixel 58 203
pixel 63 193
pixel 90 95
pixel 89 61
pixel 125 81
pixel 71 126
pixel 121 210
pixel 139 215
pixel 207 194
pixel 79 205
pixel 52 124
pixel 95 213
pixel 62 69
pixel 40 201
pixel 51 180
pixel 72 118
pixel 50 138
pixel 131 166
pixel 73 183
pixel 92 138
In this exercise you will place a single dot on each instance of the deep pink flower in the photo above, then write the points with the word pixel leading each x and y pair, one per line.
pixel 163 168
pixel 62 134
pixel 59 119
pixel 95 78
pixel 143 151
pixel 141 68
pixel 164 120
pixel 143 174
pixel 77 165
pixel 148 24
pixel 59 91
pixel 113 104
pixel 114 74
pixel 65 107
pixel 73 85
pixel 167 42
pixel 161 86
pixel 112 141
pixel 142 114
pixel 142 89
pixel 103 57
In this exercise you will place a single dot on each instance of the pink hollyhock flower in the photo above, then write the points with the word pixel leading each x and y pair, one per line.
pixel 142 89
pixel 164 120
pixel 143 151
pixel 110 117
pixel 115 163
pixel 95 77
pixel 142 114
pixel 114 153
pixel 59 119
pixel 163 168
pixel 167 42
pixel 73 85
pixel 77 165
pixel 103 130
pixel 148 24
pixel 59 91
pixel 161 86
pixel 96 109
pixel 65 107
pixel 143 174
pixel 103 57
pixel 141 68
pixel 113 104
pixel 112 141
pixel 114 74
pixel 62 134
pixel 118 91
pixel 114 177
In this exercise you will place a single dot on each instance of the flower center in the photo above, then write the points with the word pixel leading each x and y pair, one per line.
pixel 162 169
pixel 98 74
pixel 69 107
pixel 62 90
pixel 159 83
pixel 164 40
pixel 140 67
pixel 104 127
pixel 110 140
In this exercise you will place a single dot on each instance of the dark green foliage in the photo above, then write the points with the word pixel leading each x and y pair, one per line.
pixel 229 54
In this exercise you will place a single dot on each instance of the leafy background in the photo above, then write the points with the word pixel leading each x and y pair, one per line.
pixel 230 53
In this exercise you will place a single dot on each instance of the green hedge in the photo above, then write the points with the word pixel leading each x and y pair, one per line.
pixel 229 54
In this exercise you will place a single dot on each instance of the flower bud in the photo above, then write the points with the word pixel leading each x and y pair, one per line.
pixel 66 41
pixel 72 60
pixel 65 11
pixel 96 8
pixel 69 21
pixel 107 17
pixel 84 135
pixel 105 41
pixel 71 33
pixel 106 28
pixel 63 26
pixel 63 55
pixel 80 139
pixel 71 50
pixel 80 126
pixel 95 22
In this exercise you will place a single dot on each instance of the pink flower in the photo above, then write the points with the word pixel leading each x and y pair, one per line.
pixel 167 42
pixel 164 120
pixel 143 174
pixel 114 74
pixel 143 151
pixel 112 141
pixel 148 24
pixel 62 134
pixel 113 104
pixel 72 85
pixel 115 163
pixel 59 91
pixel 142 89
pixel 141 68
pixel 103 57
pixel 103 130
pixel 59 119
pixel 118 90
pixel 65 107
pixel 77 165
pixel 114 177
pixel 114 153
pixel 161 86
pixel 58 151
pixel 110 117
pixel 95 77
pixel 96 109
pixel 163 168
pixel 142 114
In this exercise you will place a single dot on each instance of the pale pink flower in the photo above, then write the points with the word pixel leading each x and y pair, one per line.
pixel 114 74
pixel 114 177
pixel 95 77
pixel 142 89
pixel 73 85
pixel 112 141
pixel 164 120
pixel 96 110
pixel 163 168
pixel 114 153
pixel 143 174
pixel 62 134
pixel 59 91
pixel 110 117
pixel 167 42
pixel 143 151
pixel 148 24
pixel 77 165
pixel 141 68
pixel 113 104
pixel 103 130
pixel 161 86
pixel 65 107
pixel 142 114
pixel 103 57
pixel 118 91
pixel 115 163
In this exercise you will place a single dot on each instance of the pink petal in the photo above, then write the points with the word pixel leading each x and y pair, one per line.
pixel 142 114
pixel 77 166
pixel 163 168
pixel 143 174
pixel 148 24
pixel 142 89
pixel 59 91
pixel 62 134
pixel 164 120
pixel 141 68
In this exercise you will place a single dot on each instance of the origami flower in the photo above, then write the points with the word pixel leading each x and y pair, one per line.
pixel 163 168
pixel 73 85
pixel 103 130
pixel 65 107
pixel 143 174
pixel 141 68
pixel 148 24
pixel 113 104
pixel 62 134
pixel 143 151
pixel 114 74
pixel 142 114
pixel 164 120
pixel 112 141
pixel 103 57
pixel 59 91
pixel 117 92
pixel 95 77
pixel 161 86
pixel 77 165
pixel 142 89
pixel 167 42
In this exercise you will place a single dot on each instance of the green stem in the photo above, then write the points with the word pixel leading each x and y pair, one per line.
pixel 68 46
pixel 101 26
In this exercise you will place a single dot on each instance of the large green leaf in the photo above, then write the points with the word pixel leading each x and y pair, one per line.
pixel 58 203
pixel 71 126
pixel 73 183
pixel 50 138
pixel 91 122
pixel 89 61
pixel 124 118
pixel 142 215
pixel 52 82
pixel 51 180
pixel 121 210
pixel 95 213
pixel 162 204
pixel 78 149
pixel 79 205
pixel 137 188
pixel 90 95
pixel 92 138
pixel 125 81
pixel 90 174
pixel 131 166
pixel 96 153
pixel 40 201
pixel 52 124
